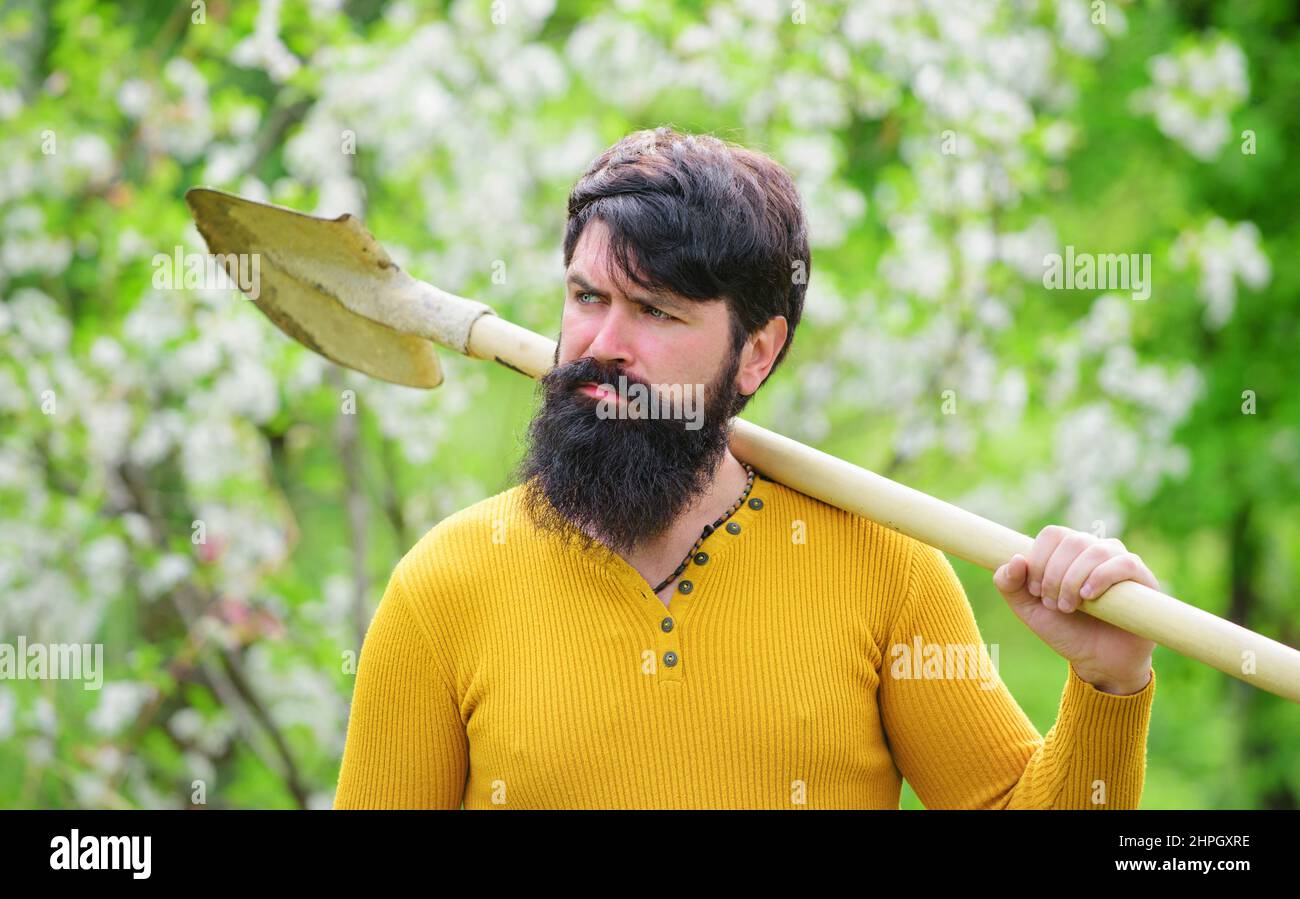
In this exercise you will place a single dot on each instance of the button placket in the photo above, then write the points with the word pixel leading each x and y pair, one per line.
pixel 668 662
pixel 687 590
pixel 692 586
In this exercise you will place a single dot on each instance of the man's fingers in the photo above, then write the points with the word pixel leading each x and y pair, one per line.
pixel 1079 571
pixel 1044 545
pixel 1074 543
pixel 1126 567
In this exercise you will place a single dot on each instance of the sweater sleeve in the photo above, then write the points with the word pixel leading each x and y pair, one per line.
pixel 406 744
pixel 962 741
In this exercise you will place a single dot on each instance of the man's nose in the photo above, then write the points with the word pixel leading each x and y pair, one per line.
pixel 613 342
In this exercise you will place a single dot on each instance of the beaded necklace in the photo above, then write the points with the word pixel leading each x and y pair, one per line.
pixel 710 528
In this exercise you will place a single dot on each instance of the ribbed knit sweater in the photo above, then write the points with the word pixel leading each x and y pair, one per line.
pixel 806 660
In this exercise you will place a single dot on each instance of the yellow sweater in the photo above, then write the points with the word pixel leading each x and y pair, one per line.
pixel 810 665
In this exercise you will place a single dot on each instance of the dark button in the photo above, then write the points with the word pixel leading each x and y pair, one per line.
pixel 756 503
pixel 701 558
pixel 733 527
pixel 670 659
pixel 666 624
pixel 686 586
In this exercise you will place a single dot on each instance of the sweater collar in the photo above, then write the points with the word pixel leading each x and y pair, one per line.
pixel 739 528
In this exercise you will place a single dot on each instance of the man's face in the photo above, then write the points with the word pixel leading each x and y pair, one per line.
pixel 653 338
pixel 619 478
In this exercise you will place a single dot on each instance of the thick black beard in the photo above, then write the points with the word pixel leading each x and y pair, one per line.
pixel 617 481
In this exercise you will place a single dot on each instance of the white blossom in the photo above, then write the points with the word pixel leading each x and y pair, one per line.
pixel 119 703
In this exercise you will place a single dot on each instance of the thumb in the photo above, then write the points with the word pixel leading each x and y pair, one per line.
pixel 1012 581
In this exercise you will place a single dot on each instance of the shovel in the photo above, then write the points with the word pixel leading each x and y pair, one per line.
pixel 328 284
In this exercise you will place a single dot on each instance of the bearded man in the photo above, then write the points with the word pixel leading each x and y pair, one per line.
pixel 644 621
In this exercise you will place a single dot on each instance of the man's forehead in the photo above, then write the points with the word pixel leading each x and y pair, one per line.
pixel 593 258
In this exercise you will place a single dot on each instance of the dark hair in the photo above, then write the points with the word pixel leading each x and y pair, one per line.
pixel 704 218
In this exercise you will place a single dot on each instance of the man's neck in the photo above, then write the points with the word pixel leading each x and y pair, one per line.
pixel 657 558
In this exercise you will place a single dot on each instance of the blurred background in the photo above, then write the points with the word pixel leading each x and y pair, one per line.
pixel 183 485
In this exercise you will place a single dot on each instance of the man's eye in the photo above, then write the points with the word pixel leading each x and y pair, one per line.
pixel 584 294
pixel 661 316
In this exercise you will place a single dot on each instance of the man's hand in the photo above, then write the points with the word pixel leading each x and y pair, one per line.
pixel 1064 568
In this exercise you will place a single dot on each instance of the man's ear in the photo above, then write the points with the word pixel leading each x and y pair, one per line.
pixel 759 354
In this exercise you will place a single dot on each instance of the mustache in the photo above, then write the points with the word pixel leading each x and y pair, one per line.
pixel 586 369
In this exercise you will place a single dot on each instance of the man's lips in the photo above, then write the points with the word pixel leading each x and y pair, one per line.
pixel 594 390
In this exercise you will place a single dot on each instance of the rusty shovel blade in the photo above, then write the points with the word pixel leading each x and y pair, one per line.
pixel 310 270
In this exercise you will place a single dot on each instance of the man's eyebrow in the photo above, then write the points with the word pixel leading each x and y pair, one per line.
pixel 588 287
